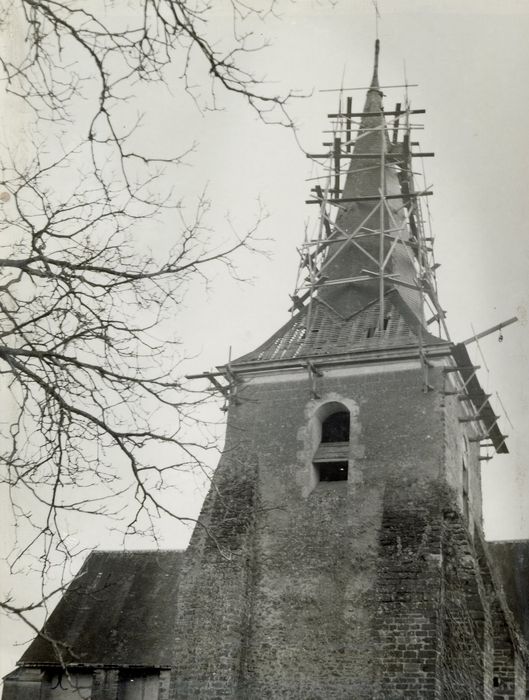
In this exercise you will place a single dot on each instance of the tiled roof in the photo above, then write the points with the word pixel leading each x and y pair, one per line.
pixel 330 334
pixel 120 609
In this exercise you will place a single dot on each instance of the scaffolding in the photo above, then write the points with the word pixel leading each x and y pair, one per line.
pixel 404 228
pixel 414 235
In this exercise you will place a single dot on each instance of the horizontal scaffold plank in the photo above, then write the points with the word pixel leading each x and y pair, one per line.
pixel 373 198
pixel 376 114
pixel 370 156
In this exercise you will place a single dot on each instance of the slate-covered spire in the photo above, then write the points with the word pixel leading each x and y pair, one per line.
pixel 367 178
pixel 343 318
pixel 374 79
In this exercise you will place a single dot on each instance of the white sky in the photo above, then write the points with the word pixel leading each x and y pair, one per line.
pixel 470 59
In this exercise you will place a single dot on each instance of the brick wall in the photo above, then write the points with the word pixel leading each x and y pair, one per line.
pixel 503 671
pixel 365 588
pixel 315 625
pixel 464 614
pixel 409 596
pixel 214 594
pixel 296 612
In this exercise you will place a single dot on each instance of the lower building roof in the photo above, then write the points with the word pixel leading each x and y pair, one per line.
pixel 119 610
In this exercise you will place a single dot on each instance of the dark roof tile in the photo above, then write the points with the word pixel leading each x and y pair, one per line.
pixel 120 609
pixel 329 333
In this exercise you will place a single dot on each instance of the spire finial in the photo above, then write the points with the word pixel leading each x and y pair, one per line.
pixel 374 82
pixel 377 16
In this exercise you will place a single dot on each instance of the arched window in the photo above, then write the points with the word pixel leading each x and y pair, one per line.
pixel 331 458
pixel 335 428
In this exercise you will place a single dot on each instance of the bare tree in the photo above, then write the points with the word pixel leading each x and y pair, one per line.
pixel 86 352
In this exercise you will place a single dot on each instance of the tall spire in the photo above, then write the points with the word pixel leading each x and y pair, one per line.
pixel 362 180
pixel 349 305
pixel 372 170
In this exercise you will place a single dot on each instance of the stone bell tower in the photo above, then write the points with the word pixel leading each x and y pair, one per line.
pixel 339 554
pixel 348 557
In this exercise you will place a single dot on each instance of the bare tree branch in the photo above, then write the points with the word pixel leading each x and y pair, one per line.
pixel 101 423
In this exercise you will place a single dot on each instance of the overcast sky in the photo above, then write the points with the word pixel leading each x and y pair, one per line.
pixel 470 59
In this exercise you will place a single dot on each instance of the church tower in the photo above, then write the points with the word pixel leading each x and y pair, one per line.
pixel 345 516
pixel 340 551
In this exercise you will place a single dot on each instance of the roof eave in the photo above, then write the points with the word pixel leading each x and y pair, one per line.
pixel 353 357
pixel 88 664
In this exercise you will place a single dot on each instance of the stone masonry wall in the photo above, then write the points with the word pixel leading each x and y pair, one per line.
pixel 214 594
pixel 409 596
pixel 466 619
pixel 478 654
pixel 319 554
pixel 294 613
pixel 365 588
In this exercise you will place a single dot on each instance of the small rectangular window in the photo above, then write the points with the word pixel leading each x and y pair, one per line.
pixel 332 471
pixel 138 685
